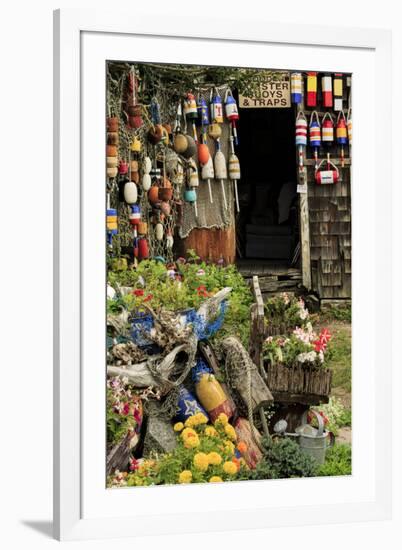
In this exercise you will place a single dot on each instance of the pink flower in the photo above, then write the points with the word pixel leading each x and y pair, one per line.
pixel 134 464
pixel 126 409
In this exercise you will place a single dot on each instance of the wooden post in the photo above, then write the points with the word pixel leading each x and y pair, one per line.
pixel 304 216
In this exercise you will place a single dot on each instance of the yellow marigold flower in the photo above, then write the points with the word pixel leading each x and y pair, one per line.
pixel 230 468
pixel 201 418
pixel 188 432
pixel 215 479
pixel 222 419
pixel 201 461
pixel 229 447
pixel 210 431
pixel 214 458
pixel 178 426
pixel 185 476
pixel 189 423
pixel 191 441
pixel 230 432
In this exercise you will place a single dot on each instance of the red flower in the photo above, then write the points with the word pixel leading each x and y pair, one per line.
pixel 126 409
pixel 325 336
pixel 202 291
pixel 148 298
pixel 138 292
pixel 134 464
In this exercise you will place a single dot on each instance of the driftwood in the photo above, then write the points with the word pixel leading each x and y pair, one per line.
pixel 117 458
pixel 210 308
pixel 242 374
pixel 156 371
pixel 243 430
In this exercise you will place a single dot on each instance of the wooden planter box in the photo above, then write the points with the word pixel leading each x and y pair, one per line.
pixel 299 384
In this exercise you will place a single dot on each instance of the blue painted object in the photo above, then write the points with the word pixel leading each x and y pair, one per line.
pixel 187 405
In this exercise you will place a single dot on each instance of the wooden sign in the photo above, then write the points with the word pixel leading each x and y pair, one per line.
pixel 273 94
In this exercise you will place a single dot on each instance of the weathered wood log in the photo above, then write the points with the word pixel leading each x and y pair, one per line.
pixel 210 357
pixel 299 384
pixel 242 375
pixel 210 308
pixel 244 433
pixel 257 332
pixel 117 458
pixel 141 375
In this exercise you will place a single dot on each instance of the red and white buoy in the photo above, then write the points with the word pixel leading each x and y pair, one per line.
pixel 234 171
pixel 315 135
pixel 311 95
pixel 301 137
pixel 327 126
pixel 341 134
pixel 326 87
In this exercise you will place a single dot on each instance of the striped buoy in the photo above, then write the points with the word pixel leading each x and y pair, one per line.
pixel 216 107
pixel 296 87
pixel 111 224
pixel 326 87
pixel 143 249
pixel 327 129
pixel 341 134
pixel 326 177
pixel 191 112
pixel 338 92
pixel 232 112
pixel 135 215
pixel 301 137
pixel 315 135
pixel 202 109
pixel 349 125
pixel 234 172
pixel 311 95
pixel 221 172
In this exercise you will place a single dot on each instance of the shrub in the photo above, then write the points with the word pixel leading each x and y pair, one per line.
pixel 338 461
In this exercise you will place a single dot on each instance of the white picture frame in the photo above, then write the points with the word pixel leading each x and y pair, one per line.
pixel 83 508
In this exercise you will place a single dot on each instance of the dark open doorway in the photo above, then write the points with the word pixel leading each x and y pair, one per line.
pixel 267 228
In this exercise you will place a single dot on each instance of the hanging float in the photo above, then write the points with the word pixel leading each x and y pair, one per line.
pixel 315 135
pixel 328 176
pixel 341 135
pixel 311 95
pixel 296 88
pixel 221 170
pixel 326 88
pixel 301 137
pixel 232 113
pixel 327 133
pixel 191 113
pixel 216 107
pixel 234 172
pixel 338 92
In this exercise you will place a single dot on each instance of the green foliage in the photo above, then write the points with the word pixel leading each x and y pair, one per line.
pixel 283 313
pixel 283 459
pixel 335 414
pixel 338 313
pixel 338 461
pixel 339 356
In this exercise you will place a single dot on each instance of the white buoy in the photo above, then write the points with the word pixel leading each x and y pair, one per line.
pixel 207 173
pixel 221 172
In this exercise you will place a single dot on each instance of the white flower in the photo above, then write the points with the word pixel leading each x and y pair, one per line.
pixel 321 356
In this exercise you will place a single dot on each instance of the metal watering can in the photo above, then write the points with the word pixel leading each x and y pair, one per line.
pixel 313 441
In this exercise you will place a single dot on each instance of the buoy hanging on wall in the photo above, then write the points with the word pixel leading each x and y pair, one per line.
pixel 111 224
pixel 338 92
pixel 311 95
pixel 349 125
pixel 135 215
pixel 296 87
pixel 327 177
pixel 130 192
pixel 301 137
pixel 216 107
pixel 234 172
pixel 326 87
pixel 221 171
pixel 315 135
pixel 341 134
pixel 232 112
pixel 190 112
pixel 143 249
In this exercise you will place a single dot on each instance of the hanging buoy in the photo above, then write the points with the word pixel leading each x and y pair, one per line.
pixel 296 87
pixel 165 208
pixel 234 172
pixel 153 194
pixel 111 171
pixel 221 172
pixel 111 151
pixel 191 112
pixel 315 135
pixel 216 107
pixel 202 109
pixel 130 192
pixel 165 190
pixel 326 177
pixel 214 131
pixel 203 153
pixel 155 134
pixel 135 215
pixel 112 124
pixel 142 228
pixel 193 180
pixel 147 165
pixel 111 224
pixel 349 125
pixel 169 239
pixel 191 149
pixel 311 95
pixel 134 175
pixel 207 173
pixel 112 138
pixel 146 182
pixel 338 92
pixel 326 87
pixel 123 167
pixel 143 250
pixel 301 137
pixel 341 134
pixel 327 132
pixel 134 109
pixel 190 195
pixel 180 143
pixel 159 231
pixel 232 112
pixel 112 162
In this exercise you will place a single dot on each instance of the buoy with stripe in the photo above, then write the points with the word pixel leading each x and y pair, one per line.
pixel 315 135
pixel 338 92
pixel 232 113
pixel 349 126
pixel 234 171
pixel 311 95
pixel 326 88
pixel 207 168
pixel 191 112
pixel 327 130
pixel 202 109
pixel 111 224
pixel 193 180
pixel 326 177
pixel 221 171
pixel 216 107
pixel 296 87
pixel 135 215
pixel 301 137
pixel 341 134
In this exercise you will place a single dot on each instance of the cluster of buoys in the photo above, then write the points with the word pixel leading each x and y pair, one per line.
pixel 331 89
